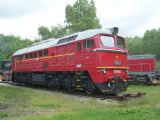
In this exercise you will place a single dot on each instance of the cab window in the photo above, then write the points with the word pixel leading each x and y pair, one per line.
pixel 88 44
pixel 107 41
pixel 120 43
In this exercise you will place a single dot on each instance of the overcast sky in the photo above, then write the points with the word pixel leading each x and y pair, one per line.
pixel 23 17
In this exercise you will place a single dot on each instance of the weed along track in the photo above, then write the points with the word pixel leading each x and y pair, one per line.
pixel 122 97
pixel 82 94
pixel 130 96
pixel 18 102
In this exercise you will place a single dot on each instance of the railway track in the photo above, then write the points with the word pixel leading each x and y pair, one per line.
pixel 80 94
pixel 106 96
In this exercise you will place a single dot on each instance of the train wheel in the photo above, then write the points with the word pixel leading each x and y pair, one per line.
pixel 55 83
pixel 88 87
pixel 48 84
pixel 68 83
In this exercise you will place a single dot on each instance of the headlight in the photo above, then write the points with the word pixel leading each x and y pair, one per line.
pixel 126 70
pixel 103 70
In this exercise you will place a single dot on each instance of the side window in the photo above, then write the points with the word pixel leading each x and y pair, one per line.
pixel 22 57
pixel 88 44
pixel 35 54
pixel 92 43
pixel 30 55
pixel 18 58
pixel 26 56
pixel 79 46
pixel 46 52
pixel 40 53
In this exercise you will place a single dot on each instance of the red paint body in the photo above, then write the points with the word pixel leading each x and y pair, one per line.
pixel 102 63
pixel 142 64
pixel 143 68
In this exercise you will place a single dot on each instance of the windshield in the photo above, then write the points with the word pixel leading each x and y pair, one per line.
pixel 107 41
pixel 120 43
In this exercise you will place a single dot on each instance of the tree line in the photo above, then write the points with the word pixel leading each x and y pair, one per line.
pixel 148 44
pixel 10 44
pixel 79 17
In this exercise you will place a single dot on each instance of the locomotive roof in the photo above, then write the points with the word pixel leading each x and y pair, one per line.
pixel 67 39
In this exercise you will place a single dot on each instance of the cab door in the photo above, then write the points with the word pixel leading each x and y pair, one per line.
pixel 89 54
pixel 79 55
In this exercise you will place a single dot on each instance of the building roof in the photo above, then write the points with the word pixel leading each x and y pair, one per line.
pixel 67 39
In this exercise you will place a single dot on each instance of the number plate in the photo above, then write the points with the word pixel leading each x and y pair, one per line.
pixel 116 71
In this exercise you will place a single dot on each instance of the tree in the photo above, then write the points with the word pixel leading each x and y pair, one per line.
pixel 151 42
pixel 55 32
pixel 58 31
pixel 134 45
pixel 148 44
pixel 44 33
pixel 81 16
pixel 10 44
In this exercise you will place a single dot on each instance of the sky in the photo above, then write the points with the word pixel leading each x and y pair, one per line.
pixel 23 17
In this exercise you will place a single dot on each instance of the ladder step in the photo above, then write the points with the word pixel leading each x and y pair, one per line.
pixel 79 88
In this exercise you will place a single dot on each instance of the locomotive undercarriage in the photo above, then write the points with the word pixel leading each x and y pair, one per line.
pixel 113 86
pixel 144 78
pixel 57 80
pixel 70 81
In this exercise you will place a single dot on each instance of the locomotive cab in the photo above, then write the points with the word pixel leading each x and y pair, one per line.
pixel 111 63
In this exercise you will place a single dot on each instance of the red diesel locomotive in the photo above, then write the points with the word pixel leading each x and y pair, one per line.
pixel 143 69
pixel 92 60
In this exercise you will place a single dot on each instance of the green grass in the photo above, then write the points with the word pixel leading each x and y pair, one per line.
pixel 28 104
